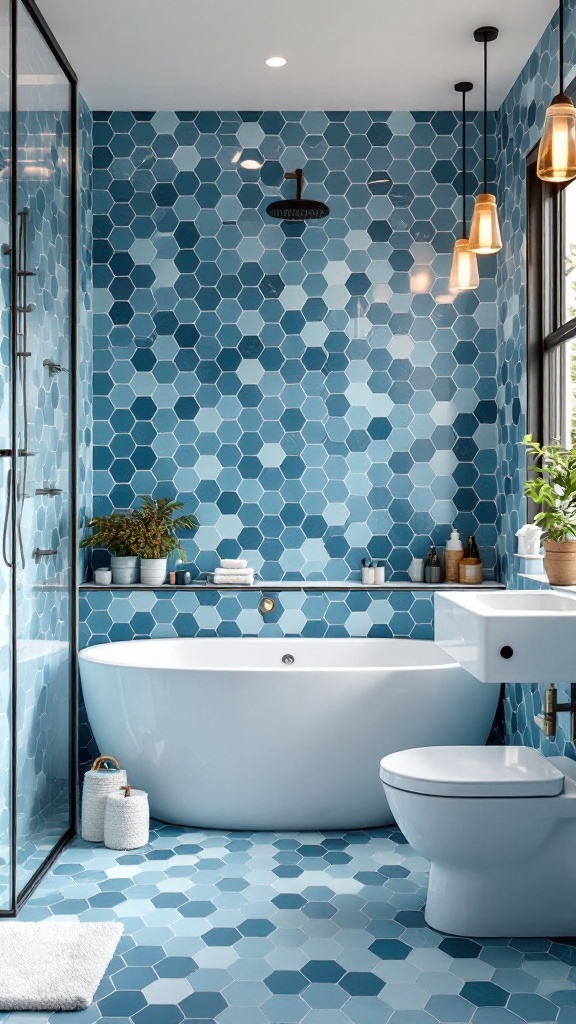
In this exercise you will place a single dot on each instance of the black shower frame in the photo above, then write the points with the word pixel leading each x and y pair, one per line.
pixel 17 899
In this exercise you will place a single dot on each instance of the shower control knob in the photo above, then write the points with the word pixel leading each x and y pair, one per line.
pixel 39 553
pixel 288 659
pixel 506 652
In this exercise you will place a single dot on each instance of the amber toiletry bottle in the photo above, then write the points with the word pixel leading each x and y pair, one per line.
pixel 470 567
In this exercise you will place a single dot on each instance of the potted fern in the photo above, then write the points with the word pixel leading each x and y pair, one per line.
pixel 116 533
pixel 158 536
pixel 553 487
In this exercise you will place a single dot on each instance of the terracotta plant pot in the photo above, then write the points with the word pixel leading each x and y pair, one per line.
pixel 560 562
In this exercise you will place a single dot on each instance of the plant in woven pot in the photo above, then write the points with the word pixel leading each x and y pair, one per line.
pixel 158 536
pixel 116 533
pixel 553 487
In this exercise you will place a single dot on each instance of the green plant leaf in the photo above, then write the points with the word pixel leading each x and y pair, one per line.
pixel 553 486
pixel 148 532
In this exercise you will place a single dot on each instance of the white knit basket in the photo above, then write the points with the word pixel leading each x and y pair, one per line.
pixel 98 784
pixel 127 819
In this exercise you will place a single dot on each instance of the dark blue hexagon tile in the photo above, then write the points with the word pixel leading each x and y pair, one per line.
pixel 520 125
pixel 311 390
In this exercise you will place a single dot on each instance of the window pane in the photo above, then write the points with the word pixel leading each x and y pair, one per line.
pixel 569 233
pixel 560 394
pixel 570 347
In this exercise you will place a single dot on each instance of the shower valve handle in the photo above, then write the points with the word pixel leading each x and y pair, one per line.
pixel 298 176
pixel 39 553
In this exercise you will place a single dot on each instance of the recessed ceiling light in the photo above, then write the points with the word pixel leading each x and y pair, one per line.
pixel 276 62
pixel 251 165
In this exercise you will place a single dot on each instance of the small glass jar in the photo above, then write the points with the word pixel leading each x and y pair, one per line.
pixel 416 570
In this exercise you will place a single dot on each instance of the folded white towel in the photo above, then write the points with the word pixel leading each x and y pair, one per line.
pixel 247 578
pixel 233 563
pixel 232 572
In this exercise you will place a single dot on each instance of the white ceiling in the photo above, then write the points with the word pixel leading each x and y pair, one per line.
pixel 342 54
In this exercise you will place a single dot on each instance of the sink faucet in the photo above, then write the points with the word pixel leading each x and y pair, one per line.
pixel 548 722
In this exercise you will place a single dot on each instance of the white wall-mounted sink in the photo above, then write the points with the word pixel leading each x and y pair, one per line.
pixel 509 636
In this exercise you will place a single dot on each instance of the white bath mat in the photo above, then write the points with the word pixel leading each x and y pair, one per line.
pixel 54 965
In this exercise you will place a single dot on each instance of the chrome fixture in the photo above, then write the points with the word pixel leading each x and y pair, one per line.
pixel 54 368
pixel 49 491
pixel 464 274
pixel 557 152
pixel 288 659
pixel 298 208
pixel 548 721
pixel 266 605
pixel 39 553
pixel 485 228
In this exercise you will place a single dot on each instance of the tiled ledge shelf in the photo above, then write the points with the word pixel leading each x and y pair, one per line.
pixel 542 578
pixel 298 585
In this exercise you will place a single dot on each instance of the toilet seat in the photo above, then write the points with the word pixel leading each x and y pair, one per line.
pixel 472 772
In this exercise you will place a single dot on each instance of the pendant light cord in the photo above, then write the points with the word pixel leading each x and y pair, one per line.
pixel 464 235
pixel 485 115
pixel 561 44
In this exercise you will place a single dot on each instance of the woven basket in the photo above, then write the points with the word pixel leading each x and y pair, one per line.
pixel 99 782
pixel 560 562
pixel 127 819
pixel 470 571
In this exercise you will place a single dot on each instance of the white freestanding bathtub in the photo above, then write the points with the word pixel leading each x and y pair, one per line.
pixel 224 733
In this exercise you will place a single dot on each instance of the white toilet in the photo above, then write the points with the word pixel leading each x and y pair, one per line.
pixel 498 825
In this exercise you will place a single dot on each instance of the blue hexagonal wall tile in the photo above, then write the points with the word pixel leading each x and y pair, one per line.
pixel 323 342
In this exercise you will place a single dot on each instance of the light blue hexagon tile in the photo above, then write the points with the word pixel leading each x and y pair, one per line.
pixel 265 928
pixel 312 390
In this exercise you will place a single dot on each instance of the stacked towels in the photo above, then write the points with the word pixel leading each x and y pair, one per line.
pixel 234 571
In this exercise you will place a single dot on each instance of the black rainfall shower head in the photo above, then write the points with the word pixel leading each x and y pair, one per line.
pixel 298 208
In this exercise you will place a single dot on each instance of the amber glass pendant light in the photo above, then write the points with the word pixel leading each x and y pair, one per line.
pixel 557 152
pixel 464 273
pixel 485 235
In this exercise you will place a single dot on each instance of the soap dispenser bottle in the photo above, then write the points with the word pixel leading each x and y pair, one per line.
pixel 432 569
pixel 453 555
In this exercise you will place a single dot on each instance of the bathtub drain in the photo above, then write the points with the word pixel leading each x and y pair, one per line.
pixel 288 659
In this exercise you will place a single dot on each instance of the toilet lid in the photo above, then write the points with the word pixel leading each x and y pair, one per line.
pixel 472 771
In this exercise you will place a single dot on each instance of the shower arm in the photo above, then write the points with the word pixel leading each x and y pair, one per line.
pixel 298 177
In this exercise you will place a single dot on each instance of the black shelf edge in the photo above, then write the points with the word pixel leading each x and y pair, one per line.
pixel 314 585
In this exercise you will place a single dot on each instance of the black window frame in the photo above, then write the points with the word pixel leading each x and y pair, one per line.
pixel 546 281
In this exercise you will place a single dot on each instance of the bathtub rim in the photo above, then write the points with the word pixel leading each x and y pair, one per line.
pixel 95 655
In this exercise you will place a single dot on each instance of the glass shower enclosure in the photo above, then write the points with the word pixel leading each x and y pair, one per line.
pixel 38 184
